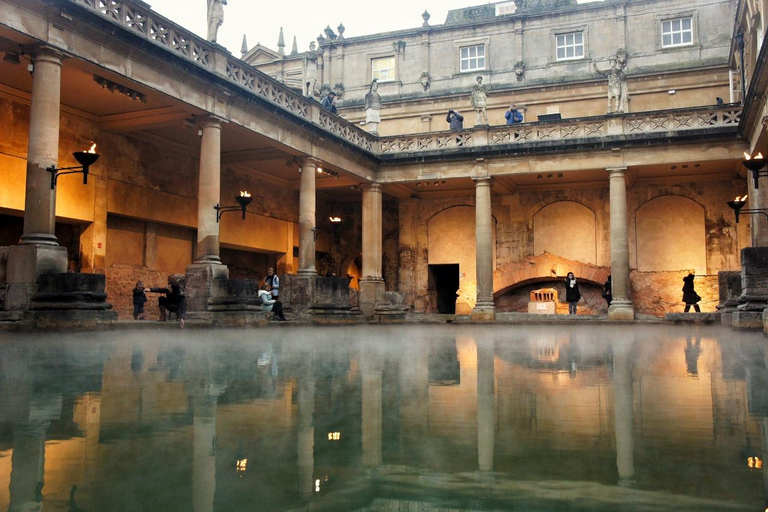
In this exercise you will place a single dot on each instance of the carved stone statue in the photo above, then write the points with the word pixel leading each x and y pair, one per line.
pixel 425 79
pixel 215 18
pixel 310 75
pixel 617 86
pixel 479 96
pixel 373 107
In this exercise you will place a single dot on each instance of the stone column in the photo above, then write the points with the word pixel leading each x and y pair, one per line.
pixel 486 423
pixel 621 306
pixel 371 283
pixel 371 411
pixel 43 148
pixel 758 198
pixel 622 391
pixel 203 453
pixel 38 251
pixel 484 309
pixel 209 193
pixel 305 446
pixel 307 217
pixel 27 466
pixel 207 265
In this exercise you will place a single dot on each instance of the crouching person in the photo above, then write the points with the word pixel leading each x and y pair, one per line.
pixel 174 301
pixel 270 304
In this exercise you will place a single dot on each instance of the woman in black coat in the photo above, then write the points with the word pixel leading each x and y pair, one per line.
pixel 690 297
pixel 572 293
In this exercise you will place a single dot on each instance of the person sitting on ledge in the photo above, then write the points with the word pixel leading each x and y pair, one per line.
pixel 270 304
pixel 174 301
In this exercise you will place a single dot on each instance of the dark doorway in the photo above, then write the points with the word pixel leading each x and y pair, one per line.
pixel 443 284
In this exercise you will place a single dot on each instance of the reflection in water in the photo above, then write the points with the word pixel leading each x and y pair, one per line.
pixel 394 418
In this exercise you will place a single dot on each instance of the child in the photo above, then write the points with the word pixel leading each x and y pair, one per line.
pixel 139 298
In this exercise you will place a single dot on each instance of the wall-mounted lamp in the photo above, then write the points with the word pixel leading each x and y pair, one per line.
pixel 244 199
pixel 755 166
pixel 84 158
pixel 738 204
pixel 334 217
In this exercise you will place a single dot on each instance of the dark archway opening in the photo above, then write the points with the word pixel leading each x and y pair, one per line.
pixel 443 284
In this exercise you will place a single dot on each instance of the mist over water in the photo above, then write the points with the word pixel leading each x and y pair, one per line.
pixel 641 417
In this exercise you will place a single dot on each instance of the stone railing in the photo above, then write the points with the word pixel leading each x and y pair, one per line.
pixel 137 17
pixel 668 121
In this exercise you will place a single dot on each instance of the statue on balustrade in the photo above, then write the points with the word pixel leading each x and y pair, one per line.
pixel 617 85
pixel 373 107
pixel 310 73
pixel 215 18
pixel 479 96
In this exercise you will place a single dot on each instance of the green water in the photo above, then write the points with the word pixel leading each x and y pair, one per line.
pixel 404 418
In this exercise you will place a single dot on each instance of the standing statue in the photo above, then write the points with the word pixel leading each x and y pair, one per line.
pixel 617 86
pixel 215 18
pixel 373 107
pixel 310 75
pixel 479 95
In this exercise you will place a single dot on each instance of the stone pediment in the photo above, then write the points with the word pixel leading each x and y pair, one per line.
pixel 261 55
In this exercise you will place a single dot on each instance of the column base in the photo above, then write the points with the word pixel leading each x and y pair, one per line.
pixel 26 263
pixel 621 310
pixel 307 272
pixel 199 286
pixel 371 292
pixel 39 239
pixel 483 313
pixel 208 259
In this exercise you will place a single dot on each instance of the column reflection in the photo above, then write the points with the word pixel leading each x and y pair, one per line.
pixel 622 384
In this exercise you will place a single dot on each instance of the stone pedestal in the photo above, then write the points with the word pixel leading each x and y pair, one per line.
pixel 235 302
pixel 70 300
pixel 754 285
pixel 371 293
pixel 729 286
pixel 26 263
pixel 322 300
pixel 200 284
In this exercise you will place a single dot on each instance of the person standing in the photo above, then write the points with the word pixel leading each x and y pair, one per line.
pixel 608 291
pixel 572 293
pixel 329 102
pixel 139 299
pixel 455 120
pixel 273 281
pixel 690 297
pixel 513 115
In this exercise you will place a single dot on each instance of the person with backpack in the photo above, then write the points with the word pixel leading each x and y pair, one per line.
pixel 513 115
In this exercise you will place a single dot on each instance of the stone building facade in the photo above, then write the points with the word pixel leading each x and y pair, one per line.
pixel 492 211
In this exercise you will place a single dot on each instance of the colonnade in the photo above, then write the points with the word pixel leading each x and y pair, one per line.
pixel 38 251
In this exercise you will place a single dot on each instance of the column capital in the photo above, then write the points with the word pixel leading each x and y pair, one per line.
pixel 44 52
pixel 484 181
pixel 371 187
pixel 211 121
pixel 616 170
pixel 306 161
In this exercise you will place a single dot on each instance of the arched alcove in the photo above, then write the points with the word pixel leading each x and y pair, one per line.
pixel 671 235
pixel 566 229
pixel 451 241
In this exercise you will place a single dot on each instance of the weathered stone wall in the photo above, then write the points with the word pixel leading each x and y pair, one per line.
pixel 654 292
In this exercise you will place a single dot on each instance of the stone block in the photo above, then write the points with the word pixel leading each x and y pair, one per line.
pixel 71 319
pixel 371 293
pixel 747 320
pixel 693 318
pixel 235 295
pixel 70 291
pixel 199 284
pixel 542 308
pixel 483 315
pixel 25 264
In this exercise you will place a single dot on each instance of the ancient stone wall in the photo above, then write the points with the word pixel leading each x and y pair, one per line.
pixel 520 229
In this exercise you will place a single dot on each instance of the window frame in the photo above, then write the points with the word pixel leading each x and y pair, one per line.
pixel 672 32
pixel 373 76
pixel 470 58
pixel 472 42
pixel 564 35
pixel 661 18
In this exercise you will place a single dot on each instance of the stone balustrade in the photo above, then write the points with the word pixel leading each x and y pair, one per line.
pixel 138 17
pixel 584 128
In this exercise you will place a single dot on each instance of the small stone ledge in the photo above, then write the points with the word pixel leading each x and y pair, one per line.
pixel 693 318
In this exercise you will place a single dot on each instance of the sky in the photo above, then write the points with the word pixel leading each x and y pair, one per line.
pixel 260 21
